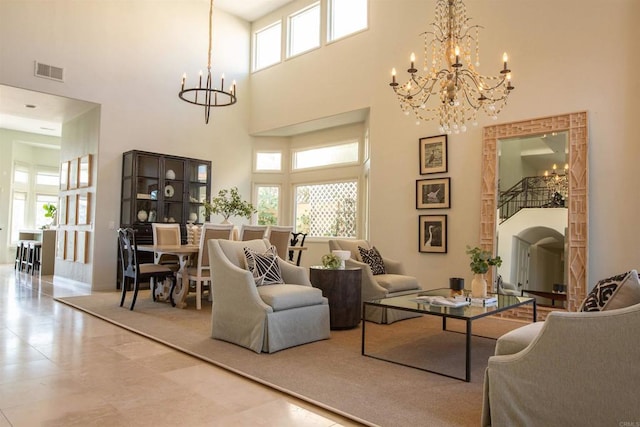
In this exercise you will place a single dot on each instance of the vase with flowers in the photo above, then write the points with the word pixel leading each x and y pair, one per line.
pixel 481 260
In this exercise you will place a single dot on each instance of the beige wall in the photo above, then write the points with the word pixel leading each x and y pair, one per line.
pixel 567 56
pixel 128 56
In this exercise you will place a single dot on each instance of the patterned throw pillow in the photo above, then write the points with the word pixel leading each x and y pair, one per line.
pixel 614 292
pixel 373 258
pixel 264 267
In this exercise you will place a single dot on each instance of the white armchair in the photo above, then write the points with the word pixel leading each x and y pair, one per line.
pixel 572 369
pixel 394 282
pixel 263 318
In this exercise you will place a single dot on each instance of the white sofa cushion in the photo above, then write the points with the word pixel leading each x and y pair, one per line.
pixel 397 282
pixel 518 339
pixel 285 297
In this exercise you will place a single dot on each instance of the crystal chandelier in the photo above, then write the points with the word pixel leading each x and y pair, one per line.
pixel 208 96
pixel 451 76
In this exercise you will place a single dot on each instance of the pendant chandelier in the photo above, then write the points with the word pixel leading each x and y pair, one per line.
pixel 208 96
pixel 451 76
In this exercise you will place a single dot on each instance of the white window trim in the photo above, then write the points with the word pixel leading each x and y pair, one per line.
pixel 254 56
pixel 329 40
pixel 254 217
pixel 289 39
pixel 270 171
pixel 357 162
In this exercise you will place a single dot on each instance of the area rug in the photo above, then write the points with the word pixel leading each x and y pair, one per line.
pixel 332 373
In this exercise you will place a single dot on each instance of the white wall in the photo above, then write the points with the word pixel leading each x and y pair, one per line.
pixel 566 56
pixel 129 57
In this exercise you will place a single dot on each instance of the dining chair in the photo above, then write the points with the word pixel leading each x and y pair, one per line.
pixel 201 273
pixel 132 270
pixel 297 245
pixel 167 234
pixel 279 236
pixel 252 232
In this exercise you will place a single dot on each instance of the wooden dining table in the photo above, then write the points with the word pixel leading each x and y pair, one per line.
pixel 184 254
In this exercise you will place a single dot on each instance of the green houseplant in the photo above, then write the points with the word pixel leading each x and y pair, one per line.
pixel 228 203
pixel 481 260
pixel 50 212
pixel 331 261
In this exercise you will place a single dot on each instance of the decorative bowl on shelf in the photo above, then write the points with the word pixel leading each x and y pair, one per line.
pixel 169 191
pixel 142 215
pixel 170 174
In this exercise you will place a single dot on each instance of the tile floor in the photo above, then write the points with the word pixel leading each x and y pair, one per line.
pixel 62 367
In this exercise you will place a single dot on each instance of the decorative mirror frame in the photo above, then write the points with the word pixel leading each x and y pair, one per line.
pixel 576 125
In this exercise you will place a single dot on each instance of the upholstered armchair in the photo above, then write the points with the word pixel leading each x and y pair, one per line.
pixel 263 318
pixel 375 286
pixel 572 369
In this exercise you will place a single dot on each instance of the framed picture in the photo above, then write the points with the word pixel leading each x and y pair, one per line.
pixel 82 246
pixel 72 209
pixel 61 243
pixel 433 193
pixel 70 251
pixel 84 203
pixel 73 174
pixel 62 210
pixel 84 171
pixel 433 234
pixel 64 175
pixel 433 154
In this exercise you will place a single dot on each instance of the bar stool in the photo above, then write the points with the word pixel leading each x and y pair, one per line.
pixel 19 250
pixel 33 262
pixel 24 257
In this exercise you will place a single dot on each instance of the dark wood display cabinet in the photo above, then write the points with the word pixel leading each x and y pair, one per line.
pixel 162 188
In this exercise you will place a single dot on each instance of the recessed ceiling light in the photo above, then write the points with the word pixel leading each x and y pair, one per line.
pixel 29 105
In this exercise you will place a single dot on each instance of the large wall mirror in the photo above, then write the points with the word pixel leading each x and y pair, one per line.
pixel 534 204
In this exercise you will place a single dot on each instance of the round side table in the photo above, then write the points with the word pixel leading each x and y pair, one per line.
pixel 343 289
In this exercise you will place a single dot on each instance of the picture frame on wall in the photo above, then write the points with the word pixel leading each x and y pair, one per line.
pixel 84 202
pixel 73 174
pixel 432 234
pixel 72 209
pixel 433 155
pixel 84 171
pixel 62 210
pixel 64 176
pixel 433 193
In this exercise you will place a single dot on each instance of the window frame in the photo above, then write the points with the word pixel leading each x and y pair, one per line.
pixel 289 35
pixel 256 187
pixel 330 23
pixel 256 45
pixel 341 180
pixel 255 161
pixel 296 150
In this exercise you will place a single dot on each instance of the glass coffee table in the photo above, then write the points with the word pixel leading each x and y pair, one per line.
pixel 467 313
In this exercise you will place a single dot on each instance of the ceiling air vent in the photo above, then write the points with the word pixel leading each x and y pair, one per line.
pixel 49 71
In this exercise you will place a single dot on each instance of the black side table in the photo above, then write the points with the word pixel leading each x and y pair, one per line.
pixel 343 289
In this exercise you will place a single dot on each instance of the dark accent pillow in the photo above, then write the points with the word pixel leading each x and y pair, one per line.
pixel 264 267
pixel 614 292
pixel 373 258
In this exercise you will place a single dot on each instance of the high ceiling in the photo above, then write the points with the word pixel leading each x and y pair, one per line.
pixel 48 111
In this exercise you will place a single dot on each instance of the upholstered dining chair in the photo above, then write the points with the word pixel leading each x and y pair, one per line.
pixel 266 318
pixel 201 272
pixel 391 281
pixel 167 234
pixel 132 270
pixel 280 236
pixel 252 232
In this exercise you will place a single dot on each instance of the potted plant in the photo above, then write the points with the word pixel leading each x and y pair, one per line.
pixel 481 260
pixel 50 212
pixel 228 203
pixel 331 261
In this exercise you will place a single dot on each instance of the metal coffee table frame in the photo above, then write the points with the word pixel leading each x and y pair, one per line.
pixel 467 314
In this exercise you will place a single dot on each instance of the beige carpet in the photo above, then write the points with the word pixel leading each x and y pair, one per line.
pixel 332 373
